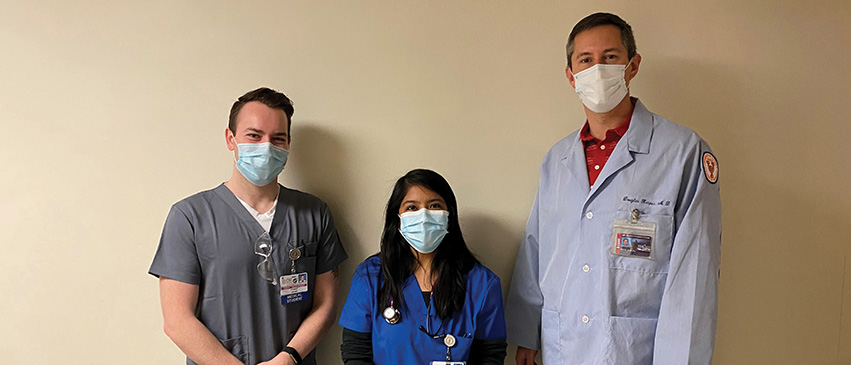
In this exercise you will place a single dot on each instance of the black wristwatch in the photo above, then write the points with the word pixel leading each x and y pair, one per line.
pixel 294 354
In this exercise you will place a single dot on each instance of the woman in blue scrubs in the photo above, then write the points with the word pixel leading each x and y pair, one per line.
pixel 424 298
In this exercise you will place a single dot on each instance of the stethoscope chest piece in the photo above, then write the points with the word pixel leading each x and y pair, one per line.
pixel 392 315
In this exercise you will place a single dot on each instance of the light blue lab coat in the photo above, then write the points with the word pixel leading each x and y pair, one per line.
pixel 581 304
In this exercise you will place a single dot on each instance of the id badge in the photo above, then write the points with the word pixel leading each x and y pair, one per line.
pixel 633 238
pixel 448 363
pixel 293 288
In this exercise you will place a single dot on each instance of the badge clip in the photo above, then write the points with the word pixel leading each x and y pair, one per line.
pixel 295 254
pixel 449 341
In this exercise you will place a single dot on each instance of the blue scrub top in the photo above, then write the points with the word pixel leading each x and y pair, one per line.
pixel 403 343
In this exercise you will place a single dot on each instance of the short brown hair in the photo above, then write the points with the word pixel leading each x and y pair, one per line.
pixel 268 97
pixel 596 20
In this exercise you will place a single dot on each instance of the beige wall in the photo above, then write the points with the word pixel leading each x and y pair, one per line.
pixel 114 110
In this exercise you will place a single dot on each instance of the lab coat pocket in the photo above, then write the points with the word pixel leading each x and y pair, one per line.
pixel 550 337
pixel 630 340
pixel 660 253
pixel 638 283
pixel 238 347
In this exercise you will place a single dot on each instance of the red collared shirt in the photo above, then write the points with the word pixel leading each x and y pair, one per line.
pixel 597 152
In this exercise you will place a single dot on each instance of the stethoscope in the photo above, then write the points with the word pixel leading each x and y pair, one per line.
pixel 392 316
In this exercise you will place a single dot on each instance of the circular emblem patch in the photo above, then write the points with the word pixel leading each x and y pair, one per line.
pixel 710 167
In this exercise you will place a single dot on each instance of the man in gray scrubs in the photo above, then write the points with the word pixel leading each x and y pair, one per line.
pixel 248 270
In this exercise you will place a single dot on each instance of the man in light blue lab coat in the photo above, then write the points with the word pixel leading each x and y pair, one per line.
pixel 619 263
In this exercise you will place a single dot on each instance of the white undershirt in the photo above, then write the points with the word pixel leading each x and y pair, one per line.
pixel 265 219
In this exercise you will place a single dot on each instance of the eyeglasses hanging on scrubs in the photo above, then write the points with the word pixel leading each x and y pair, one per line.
pixel 602 87
pixel 424 229
pixel 260 163
pixel 266 268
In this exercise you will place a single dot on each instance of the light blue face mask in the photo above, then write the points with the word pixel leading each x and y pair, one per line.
pixel 424 229
pixel 260 163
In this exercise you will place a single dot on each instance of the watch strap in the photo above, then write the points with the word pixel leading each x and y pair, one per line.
pixel 294 354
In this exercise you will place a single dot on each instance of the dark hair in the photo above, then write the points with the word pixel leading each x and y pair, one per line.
pixel 452 261
pixel 268 97
pixel 596 20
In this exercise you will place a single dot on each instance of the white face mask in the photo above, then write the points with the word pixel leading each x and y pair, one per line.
pixel 601 87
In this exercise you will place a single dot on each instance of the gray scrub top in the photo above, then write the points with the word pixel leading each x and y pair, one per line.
pixel 208 240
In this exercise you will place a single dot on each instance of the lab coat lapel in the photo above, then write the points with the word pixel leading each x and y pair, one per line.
pixel 620 158
pixel 575 165
pixel 636 140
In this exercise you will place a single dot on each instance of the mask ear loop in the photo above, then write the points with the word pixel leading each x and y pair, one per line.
pixel 628 64
pixel 235 146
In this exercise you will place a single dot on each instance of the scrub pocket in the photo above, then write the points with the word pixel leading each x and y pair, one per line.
pixel 461 350
pixel 549 337
pixel 630 340
pixel 238 347
pixel 307 261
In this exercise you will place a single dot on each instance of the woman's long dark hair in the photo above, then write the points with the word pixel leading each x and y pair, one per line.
pixel 452 261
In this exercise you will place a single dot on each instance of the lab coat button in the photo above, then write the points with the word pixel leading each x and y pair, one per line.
pixel 586 268
pixel 589 215
pixel 585 319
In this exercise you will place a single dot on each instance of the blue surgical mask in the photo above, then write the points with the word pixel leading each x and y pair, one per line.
pixel 424 229
pixel 260 163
